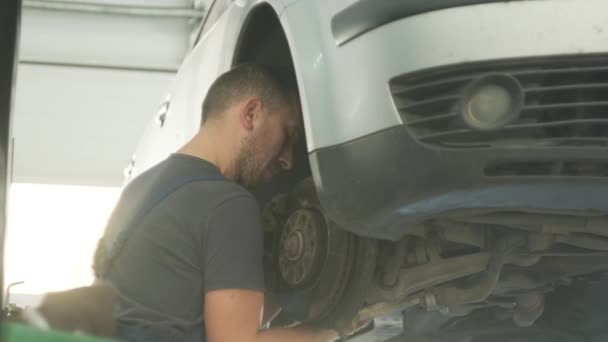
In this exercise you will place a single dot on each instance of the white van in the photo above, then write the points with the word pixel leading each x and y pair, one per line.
pixel 455 166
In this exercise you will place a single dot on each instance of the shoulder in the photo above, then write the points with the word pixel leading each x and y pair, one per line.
pixel 234 217
pixel 216 201
pixel 220 193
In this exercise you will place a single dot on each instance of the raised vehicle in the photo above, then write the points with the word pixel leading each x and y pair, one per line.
pixel 455 166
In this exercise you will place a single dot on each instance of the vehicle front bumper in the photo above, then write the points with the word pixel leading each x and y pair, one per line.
pixel 384 184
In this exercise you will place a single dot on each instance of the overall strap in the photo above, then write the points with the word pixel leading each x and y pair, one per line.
pixel 111 245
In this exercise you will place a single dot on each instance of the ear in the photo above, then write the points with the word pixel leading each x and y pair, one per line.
pixel 250 112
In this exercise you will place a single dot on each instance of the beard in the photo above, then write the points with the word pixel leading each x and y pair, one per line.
pixel 248 166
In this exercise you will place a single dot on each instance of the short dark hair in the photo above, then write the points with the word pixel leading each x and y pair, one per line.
pixel 275 87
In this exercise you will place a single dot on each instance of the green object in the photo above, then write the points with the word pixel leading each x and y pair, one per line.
pixel 14 332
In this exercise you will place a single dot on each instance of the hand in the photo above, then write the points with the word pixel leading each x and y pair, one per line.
pixel 85 309
pixel 328 336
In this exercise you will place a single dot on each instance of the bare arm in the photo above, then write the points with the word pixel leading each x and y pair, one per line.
pixel 234 315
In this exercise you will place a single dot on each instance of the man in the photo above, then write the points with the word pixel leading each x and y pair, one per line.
pixel 189 267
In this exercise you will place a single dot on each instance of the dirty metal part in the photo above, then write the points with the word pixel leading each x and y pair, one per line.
pixel 420 254
pixel 530 307
pixel 431 274
pixel 418 230
pixel 433 249
pixel 558 267
pixel 461 310
pixel 302 247
pixel 439 271
pixel 584 232
pixel 583 241
pixel 422 251
pixel 524 260
pixel 497 333
pixel 450 296
pixel 546 223
pixel 573 254
pixel 390 261
pixel 429 301
pixel 462 233
pixel 512 280
pixel 381 309
pixel 504 304
pixel 540 241
pixel 467 309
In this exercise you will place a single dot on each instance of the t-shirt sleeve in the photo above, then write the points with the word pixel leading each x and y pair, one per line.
pixel 233 247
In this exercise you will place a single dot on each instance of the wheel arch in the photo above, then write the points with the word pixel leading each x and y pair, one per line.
pixel 263 39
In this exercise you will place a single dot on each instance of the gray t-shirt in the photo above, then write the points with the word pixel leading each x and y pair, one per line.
pixel 204 236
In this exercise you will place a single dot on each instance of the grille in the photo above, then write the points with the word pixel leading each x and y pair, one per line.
pixel 566 104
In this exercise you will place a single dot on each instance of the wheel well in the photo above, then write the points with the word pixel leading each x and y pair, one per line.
pixel 263 40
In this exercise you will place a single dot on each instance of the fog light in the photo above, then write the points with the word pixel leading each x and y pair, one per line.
pixel 491 101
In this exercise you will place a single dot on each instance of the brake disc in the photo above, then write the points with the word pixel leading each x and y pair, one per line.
pixel 302 248
pixel 319 264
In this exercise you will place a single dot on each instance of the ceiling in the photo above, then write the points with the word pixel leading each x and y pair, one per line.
pixel 90 75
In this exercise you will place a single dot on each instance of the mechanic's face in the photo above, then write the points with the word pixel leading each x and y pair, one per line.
pixel 269 148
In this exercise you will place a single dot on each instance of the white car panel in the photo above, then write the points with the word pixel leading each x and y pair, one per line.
pixel 211 56
pixel 345 89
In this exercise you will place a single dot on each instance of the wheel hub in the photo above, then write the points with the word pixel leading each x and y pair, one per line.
pixel 294 246
pixel 301 247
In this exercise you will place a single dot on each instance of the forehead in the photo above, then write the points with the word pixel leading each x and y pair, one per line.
pixel 291 116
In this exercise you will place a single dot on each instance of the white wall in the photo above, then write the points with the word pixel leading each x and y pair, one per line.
pixel 86 86
pixel 80 125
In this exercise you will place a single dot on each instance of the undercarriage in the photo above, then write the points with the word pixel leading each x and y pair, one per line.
pixel 501 267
